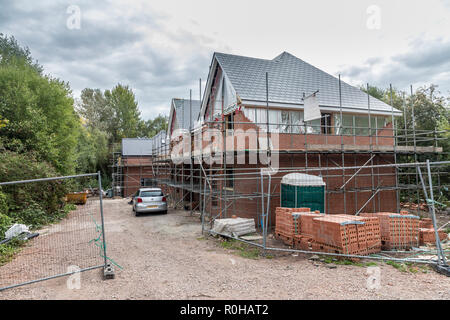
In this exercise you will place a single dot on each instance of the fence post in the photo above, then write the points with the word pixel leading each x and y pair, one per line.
pixel 108 270
pixel 442 263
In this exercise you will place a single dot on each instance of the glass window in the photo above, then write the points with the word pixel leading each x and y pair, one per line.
pixel 273 120
pixel 297 121
pixel 151 194
pixel 362 125
pixel 313 126
pixel 381 122
pixel 261 118
pixel 285 122
pixel 373 124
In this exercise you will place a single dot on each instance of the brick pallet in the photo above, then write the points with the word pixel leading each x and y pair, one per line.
pixel 287 223
pixel 398 231
pixel 426 235
pixel 348 234
pixel 304 230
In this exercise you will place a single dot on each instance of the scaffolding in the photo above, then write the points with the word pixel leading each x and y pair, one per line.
pixel 369 168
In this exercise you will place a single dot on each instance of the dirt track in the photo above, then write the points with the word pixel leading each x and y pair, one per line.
pixel 165 257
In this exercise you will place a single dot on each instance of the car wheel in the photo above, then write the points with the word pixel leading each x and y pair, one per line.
pixel 136 213
pixel 164 212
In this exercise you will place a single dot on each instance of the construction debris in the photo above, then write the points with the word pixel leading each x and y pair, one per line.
pixel 234 226
pixel 19 231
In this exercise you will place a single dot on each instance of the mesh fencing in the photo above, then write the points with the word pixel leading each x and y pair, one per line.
pixel 65 235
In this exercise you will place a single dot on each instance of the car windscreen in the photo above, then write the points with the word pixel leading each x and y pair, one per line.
pixel 151 194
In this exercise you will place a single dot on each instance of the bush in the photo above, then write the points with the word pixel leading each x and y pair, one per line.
pixel 30 203
pixel 3 203
pixel 33 215
pixel 5 224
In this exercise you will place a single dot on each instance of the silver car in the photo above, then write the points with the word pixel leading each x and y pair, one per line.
pixel 149 200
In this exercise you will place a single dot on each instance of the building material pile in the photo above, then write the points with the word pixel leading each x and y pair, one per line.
pixel 348 234
pixel 398 231
pixel 287 223
pixel 427 235
pixel 309 231
pixel 234 226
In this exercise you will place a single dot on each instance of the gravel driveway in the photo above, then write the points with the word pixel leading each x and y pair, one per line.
pixel 166 257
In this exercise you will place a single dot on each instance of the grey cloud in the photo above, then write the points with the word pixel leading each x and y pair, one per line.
pixel 109 49
pixel 425 63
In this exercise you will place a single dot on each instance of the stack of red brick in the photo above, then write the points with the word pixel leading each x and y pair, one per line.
pixel 287 224
pixel 327 233
pixel 426 232
pixel 398 231
pixel 348 234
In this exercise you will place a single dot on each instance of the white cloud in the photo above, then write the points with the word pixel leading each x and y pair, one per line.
pixel 162 47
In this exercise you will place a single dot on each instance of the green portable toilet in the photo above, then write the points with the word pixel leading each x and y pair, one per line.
pixel 299 190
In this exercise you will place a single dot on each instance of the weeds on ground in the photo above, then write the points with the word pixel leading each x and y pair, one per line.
pixel 242 249
pixel 9 250
pixel 408 267
pixel 346 262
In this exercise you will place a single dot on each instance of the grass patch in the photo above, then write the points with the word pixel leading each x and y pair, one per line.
pixel 241 249
pixel 347 262
pixel 9 250
pixel 408 267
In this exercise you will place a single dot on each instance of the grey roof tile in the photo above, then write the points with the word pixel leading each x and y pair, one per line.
pixel 289 78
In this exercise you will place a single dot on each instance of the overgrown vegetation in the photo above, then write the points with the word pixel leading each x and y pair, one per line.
pixel 409 267
pixel 431 112
pixel 44 132
pixel 240 248
pixel 346 262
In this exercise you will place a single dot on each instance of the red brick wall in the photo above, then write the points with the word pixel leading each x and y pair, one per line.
pixel 334 203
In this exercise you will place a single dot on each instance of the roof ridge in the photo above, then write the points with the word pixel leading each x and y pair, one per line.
pixel 240 56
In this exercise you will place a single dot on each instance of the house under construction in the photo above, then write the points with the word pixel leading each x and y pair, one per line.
pixel 281 132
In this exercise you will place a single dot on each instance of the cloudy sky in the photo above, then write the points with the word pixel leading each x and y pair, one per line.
pixel 162 48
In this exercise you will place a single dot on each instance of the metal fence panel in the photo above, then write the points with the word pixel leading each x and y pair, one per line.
pixel 73 243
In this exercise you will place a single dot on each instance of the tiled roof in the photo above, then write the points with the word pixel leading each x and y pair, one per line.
pixel 137 147
pixel 290 77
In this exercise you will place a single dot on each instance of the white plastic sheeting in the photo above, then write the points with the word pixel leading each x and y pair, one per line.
pixel 312 110
pixel 234 226
pixel 302 179
pixel 224 90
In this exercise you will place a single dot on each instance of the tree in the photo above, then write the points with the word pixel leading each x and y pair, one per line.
pixel 431 112
pixel 126 115
pixel 95 110
pixel 39 110
pixel 12 53
pixel 150 128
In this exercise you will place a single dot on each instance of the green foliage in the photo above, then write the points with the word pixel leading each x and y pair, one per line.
pixel 31 215
pixel 5 223
pixel 3 203
pixel 150 128
pixel 39 110
pixel 8 250
pixel 12 53
pixel 92 150
pixel 20 197
pixel 126 115
pixel 240 248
